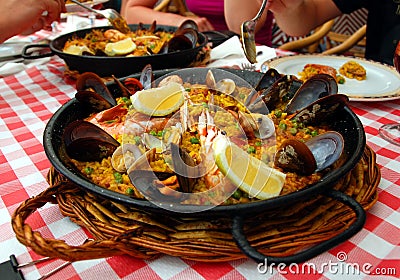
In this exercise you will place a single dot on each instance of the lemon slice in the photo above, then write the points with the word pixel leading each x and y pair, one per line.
pixel 160 101
pixel 77 50
pixel 120 48
pixel 250 174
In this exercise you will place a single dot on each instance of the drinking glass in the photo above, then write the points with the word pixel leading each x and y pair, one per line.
pixel 391 131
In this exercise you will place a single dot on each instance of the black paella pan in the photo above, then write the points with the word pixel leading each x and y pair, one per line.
pixel 346 123
pixel 118 66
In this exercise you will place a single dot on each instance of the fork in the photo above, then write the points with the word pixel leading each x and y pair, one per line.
pixel 112 15
pixel 248 66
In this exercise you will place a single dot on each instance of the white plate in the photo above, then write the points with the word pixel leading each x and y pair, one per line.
pixel 74 8
pixel 382 82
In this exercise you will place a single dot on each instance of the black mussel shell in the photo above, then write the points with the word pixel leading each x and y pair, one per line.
pixel 295 156
pixel 280 91
pixel 326 148
pixel 93 82
pixel 85 141
pixel 321 109
pixel 267 79
pixel 93 100
pixel 316 87
pixel 188 24
pixel 185 168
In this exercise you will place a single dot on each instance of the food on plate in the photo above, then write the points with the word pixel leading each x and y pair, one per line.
pixel 312 69
pixel 353 70
pixel 184 135
pixel 141 42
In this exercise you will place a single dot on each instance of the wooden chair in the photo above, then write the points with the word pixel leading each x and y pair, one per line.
pixel 328 38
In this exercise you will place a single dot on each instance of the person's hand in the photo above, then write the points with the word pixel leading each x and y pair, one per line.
pixel 28 16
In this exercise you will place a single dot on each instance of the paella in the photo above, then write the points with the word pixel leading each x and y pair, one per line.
pixel 140 42
pixel 206 141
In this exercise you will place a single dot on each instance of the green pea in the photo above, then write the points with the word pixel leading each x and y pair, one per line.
pixel 282 126
pixel 314 133
pixel 118 177
pixel 237 194
pixel 129 191
pixel 278 113
pixel 251 150
pixel 194 140
pixel 307 130
pixel 88 170
pixel 293 130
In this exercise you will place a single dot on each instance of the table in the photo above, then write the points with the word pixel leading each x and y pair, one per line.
pixel 28 100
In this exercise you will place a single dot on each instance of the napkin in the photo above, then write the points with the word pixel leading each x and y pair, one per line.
pixel 230 53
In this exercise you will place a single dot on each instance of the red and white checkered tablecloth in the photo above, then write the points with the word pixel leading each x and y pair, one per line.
pixel 28 100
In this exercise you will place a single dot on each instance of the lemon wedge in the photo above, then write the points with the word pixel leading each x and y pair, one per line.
pixel 77 50
pixel 120 48
pixel 250 174
pixel 160 101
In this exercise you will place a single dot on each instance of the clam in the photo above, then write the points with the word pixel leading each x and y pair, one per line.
pixel 316 87
pixel 210 80
pixel 147 77
pixel 311 156
pixel 226 86
pixel 124 156
pixel 256 125
pixel 85 141
pixel 171 78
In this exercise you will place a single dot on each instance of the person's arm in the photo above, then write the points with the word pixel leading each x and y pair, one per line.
pixel 299 17
pixel 238 11
pixel 136 11
pixel 27 16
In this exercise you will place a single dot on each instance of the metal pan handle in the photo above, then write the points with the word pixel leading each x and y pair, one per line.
pixel 30 51
pixel 244 245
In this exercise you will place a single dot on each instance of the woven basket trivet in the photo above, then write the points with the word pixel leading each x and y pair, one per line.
pixel 118 229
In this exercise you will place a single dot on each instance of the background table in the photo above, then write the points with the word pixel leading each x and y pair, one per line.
pixel 28 100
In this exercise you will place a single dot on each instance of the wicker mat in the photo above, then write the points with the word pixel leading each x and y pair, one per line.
pixel 118 229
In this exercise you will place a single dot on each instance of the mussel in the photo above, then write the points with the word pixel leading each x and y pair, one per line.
pixel 311 156
pixel 281 90
pixel 321 109
pixel 185 37
pixel 316 87
pixel 85 141
pixel 92 91
pixel 267 79
pixel 168 184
